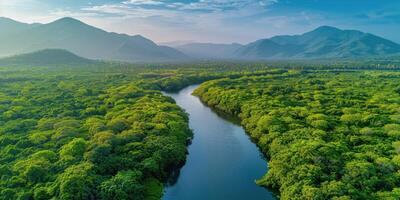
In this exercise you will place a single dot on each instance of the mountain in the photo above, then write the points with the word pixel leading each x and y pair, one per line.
pixel 93 43
pixel 10 27
pixel 47 57
pixel 209 50
pixel 323 42
pixel 82 39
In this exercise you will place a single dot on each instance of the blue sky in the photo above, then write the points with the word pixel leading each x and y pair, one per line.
pixel 222 21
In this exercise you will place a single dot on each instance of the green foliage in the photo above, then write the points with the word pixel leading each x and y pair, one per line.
pixel 71 135
pixel 327 135
pixel 154 189
pixel 77 182
pixel 124 186
pixel 107 131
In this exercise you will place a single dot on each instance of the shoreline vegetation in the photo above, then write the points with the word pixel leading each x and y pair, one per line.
pixel 94 132
pixel 85 112
pixel 106 131
pixel 326 135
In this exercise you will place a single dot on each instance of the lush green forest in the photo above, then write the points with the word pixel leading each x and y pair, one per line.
pixel 199 100
pixel 106 131
pixel 78 135
pixel 101 131
pixel 327 134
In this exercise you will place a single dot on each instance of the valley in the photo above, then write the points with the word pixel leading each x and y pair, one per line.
pixel 327 135
pixel 102 132
pixel 110 132
pixel 199 100
pixel 222 162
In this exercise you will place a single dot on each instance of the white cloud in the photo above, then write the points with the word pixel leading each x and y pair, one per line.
pixel 24 10
pixel 145 8
pixel 220 5
pixel 143 2
pixel 204 20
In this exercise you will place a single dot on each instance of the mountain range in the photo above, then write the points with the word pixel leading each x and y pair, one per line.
pixel 81 39
pixel 323 42
pixel 93 43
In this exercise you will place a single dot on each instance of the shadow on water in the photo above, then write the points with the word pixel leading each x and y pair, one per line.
pixel 175 172
pixel 226 116
pixel 222 162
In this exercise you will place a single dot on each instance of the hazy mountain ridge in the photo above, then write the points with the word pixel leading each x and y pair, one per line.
pixel 84 40
pixel 323 42
pixel 93 43
pixel 8 27
pixel 46 57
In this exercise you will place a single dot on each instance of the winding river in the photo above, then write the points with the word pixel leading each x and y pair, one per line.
pixel 222 163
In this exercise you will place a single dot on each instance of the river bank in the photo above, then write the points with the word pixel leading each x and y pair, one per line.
pixel 222 162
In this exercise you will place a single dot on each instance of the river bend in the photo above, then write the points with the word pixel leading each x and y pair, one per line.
pixel 222 163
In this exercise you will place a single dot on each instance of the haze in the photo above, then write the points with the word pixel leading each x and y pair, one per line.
pixel 219 21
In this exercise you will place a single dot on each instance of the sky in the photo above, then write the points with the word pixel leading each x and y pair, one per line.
pixel 217 21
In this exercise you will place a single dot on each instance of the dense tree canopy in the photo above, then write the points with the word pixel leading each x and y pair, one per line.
pixel 72 136
pixel 107 132
pixel 328 135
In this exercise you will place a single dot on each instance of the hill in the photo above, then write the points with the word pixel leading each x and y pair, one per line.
pixel 46 57
pixel 323 42
pixel 93 43
pixel 9 27
pixel 82 39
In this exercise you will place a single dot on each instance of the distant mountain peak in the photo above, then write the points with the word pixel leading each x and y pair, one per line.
pixel 322 42
pixel 140 37
pixel 84 40
pixel 327 28
pixel 68 20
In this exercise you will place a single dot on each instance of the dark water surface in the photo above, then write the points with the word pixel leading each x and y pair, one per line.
pixel 222 163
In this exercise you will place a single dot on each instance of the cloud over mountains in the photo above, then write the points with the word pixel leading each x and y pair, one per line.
pixel 222 21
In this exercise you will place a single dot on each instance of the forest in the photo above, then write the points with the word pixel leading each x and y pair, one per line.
pixel 326 134
pixel 199 100
pixel 100 131
pixel 107 131
pixel 70 135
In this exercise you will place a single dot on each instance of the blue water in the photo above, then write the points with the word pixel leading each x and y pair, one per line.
pixel 222 163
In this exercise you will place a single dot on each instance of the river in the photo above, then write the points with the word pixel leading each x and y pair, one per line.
pixel 222 163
